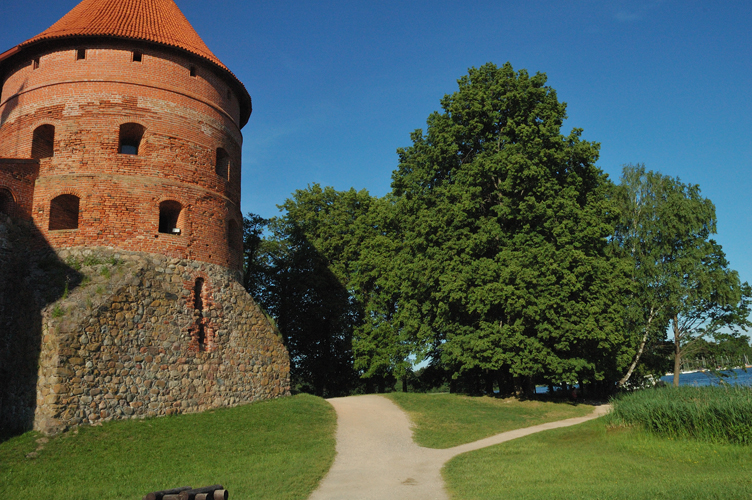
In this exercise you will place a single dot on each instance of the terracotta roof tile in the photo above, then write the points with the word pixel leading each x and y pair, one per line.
pixel 159 21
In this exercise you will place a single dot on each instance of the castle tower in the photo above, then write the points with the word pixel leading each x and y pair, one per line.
pixel 120 151
pixel 136 126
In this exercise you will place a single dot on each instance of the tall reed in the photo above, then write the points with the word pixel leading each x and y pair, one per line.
pixel 718 414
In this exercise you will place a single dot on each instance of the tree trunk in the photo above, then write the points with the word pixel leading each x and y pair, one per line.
pixel 404 382
pixel 530 386
pixel 518 386
pixel 506 384
pixel 639 351
pixel 488 379
pixel 677 352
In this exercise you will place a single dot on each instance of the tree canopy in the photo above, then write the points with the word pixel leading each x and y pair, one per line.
pixel 504 225
pixel 680 275
pixel 503 257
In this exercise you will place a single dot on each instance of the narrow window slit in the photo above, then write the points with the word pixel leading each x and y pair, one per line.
pixel 198 289
pixel 198 330
pixel 222 164
pixel 80 54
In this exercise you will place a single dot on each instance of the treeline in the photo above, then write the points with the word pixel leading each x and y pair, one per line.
pixel 502 258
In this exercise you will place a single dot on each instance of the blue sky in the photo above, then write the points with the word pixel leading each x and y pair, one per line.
pixel 338 86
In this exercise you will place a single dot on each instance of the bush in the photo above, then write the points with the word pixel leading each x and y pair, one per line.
pixel 718 414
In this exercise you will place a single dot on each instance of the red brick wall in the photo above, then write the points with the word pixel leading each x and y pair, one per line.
pixel 186 120
pixel 17 177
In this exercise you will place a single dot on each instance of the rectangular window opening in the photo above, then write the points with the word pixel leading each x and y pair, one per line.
pixel 193 71
pixel 137 56
pixel 35 63
pixel 80 54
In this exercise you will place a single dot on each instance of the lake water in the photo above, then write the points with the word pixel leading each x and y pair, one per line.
pixel 735 377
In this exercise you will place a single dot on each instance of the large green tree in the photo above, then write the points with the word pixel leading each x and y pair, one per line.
pixel 382 350
pixel 503 265
pixel 303 273
pixel 254 254
pixel 680 276
pixel 710 302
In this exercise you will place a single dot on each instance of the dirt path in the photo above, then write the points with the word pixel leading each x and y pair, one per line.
pixel 377 458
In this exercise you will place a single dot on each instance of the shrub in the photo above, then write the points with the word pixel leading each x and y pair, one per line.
pixel 718 414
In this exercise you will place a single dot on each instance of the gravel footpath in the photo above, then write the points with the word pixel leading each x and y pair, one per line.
pixel 378 460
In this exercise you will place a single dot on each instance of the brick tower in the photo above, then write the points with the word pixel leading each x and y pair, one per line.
pixel 120 148
pixel 136 126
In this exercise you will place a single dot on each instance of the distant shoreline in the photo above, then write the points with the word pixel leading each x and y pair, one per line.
pixel 737 376
pixel 704 370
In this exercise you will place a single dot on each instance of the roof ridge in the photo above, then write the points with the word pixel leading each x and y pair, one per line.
pixel 158 21
pixel 155 21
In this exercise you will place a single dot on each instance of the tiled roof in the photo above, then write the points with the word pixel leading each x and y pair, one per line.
pixel 158 21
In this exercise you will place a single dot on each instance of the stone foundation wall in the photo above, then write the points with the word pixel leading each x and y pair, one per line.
pixel 22 295
pixel 131 340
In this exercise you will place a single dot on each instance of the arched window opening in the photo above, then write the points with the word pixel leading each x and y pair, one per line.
pixel 130 138
pixel 169 217
pixel 222 166
pixel 64 212
pixel 234 238
pixel 43 142
pixel 7 202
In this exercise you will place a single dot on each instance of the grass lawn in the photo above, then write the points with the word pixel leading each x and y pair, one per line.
pixel 276 449
pixel 593 462
pixel 446 420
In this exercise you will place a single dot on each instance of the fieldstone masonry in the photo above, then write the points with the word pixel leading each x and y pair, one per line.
pixel 126 347
pixel 120 225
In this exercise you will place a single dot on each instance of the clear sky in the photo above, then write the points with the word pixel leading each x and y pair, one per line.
pixel 338 86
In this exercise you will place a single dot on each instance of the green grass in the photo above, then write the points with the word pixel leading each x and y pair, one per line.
pixel 446 420
pixel 105 271
pixel 712 414
pixel 276 449
pixel 594 461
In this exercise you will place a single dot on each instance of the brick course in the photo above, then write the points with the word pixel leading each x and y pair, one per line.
pixel 186 120
pixel 122 271
pixel 17 178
